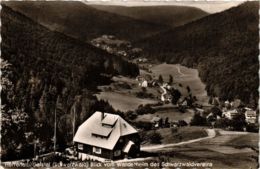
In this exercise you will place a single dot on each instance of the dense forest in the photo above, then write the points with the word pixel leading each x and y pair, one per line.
pixel 168 15
pixel 223 46
pixel 44 72
pixel 83 22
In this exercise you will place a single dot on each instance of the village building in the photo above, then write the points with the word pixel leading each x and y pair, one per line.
pixel 144 80
pixel 144 83
pixel 250 116
pixel 215 101
pixel 107 136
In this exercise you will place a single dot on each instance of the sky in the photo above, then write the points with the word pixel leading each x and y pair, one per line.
pixel 209 6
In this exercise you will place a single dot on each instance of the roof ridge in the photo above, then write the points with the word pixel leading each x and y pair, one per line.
pixel 119 122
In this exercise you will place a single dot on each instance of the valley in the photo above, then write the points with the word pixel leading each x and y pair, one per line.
pixel 175 90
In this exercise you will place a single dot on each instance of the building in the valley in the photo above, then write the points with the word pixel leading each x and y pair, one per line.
pixel 230 114
pixel 144 83
pixel 250 116
pixel 107 136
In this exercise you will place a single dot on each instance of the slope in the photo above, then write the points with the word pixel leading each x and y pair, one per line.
pixel 43 72
pixel 83 22
pixel 165 15
pixel 223 46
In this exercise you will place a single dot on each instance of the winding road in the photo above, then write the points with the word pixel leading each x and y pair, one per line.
pixel 211 134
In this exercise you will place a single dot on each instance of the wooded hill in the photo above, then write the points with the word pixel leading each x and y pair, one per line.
pixel 223 46
pixel 44 72
pixel 83 22
pixel 164 15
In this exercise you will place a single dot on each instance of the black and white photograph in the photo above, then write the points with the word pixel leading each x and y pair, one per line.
pixel 130 84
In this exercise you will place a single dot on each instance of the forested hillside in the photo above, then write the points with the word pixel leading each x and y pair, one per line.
pixel 83 22
pixel 164 15
pixel 45 72
pixel 223 46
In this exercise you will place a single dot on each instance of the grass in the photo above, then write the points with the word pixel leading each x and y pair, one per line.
pixel 187 77
pixel 125 99
pixel 122 101
pixel 172 113
pixel 250 140
pixel 182 134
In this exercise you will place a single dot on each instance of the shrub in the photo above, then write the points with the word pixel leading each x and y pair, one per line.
pixel 222 123
pixel 131 115
pixel 155 138
pixel 145 110
pixel 252 128
pixel 124 85
pixel 198 120
pixel 174 130
pixel 143 125
pixel 144 95
pixel 182 123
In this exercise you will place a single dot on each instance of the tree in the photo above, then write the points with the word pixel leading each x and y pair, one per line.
pixel 252 101
pixel 222 123
pixel 188 89
pixel 216 111
pixel 176 95
pixel 182 123
pixel 143 89
pixel 238 122
pixel 170 79
pixel 160 79
pixel 156 138
pixel 166 122
pixel 198 120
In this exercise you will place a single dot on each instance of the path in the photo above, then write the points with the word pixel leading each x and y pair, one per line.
pixel 211 133
pixel 179 70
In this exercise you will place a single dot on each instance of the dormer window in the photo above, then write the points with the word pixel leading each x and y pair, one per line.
pixel 80 146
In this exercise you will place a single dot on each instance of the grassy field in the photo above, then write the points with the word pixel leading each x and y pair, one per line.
pixel 125 99
pixel 229 150
pixel 122 101
pixel 173 114
pixel 185 76
pixel 182 134
pixel 250 140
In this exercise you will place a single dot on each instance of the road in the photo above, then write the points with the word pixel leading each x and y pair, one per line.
pixel 211 134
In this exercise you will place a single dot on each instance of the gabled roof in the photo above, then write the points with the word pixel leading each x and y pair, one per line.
pixel 93 126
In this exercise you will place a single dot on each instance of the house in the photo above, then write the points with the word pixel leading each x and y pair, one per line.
pixel 230 114
pixel 106 136
pixel 250 116
pixel 166 97
pixel 215 101
pixel 144 83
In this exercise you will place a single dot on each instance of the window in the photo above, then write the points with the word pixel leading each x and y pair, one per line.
pixel 117 153
pixel 96 150
pixel 80 146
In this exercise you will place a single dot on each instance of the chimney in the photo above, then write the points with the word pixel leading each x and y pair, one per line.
pixel 102 115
